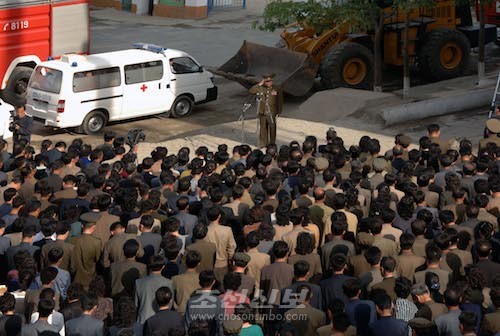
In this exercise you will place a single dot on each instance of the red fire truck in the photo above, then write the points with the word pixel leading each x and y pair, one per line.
pixel 31 31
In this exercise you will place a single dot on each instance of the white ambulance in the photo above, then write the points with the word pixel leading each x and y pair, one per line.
pixel 88 91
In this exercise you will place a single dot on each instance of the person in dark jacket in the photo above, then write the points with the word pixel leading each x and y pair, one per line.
pixel 165 319
pixel 386 324
pixel 86 325
pixel 22 125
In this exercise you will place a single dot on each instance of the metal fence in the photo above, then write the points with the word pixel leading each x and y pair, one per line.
pixel 223 4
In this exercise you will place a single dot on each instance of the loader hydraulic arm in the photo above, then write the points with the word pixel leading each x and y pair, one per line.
pixel 302 38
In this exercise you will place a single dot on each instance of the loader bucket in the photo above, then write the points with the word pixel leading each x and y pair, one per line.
pixel 294 71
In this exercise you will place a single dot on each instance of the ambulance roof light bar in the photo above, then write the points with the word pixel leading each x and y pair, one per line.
pixel 151 47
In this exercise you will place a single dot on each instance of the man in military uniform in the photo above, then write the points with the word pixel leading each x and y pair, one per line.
pixel 269 106
pixel 492 131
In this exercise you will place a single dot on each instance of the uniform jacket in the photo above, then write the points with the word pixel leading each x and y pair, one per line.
pixel 67 257
pixel 185 286
pixel 359 264
pixel 484 142
pixel 113 249
pixel 247 285
pixel 207 251
pixel 320 214
pixel 314 318
pixel 66 193
pixel 102 226
pixel 444 277
pixel 123 276
pixel 86 256
pixel 269 96
pixel 388 247
pixel 388 285
pixel 407 263
pixel 419 246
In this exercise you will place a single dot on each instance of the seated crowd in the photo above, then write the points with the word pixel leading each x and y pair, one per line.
pixel 306 239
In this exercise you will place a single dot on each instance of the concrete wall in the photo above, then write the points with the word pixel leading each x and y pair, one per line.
pixel 179 9
pixel 102 3
pixel 192 9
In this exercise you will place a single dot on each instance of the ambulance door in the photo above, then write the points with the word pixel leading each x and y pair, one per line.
pixel 142 92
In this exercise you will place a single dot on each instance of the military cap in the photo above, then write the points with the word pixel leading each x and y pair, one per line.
pixel 90 217
pixel 268 77
pixel 493 125
pixel 321 163
pixel 232 325
pixel 405 140
pixel 379 164
pixel 240 256
pixel 365 239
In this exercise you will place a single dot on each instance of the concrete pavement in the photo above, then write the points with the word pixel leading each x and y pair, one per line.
pixel 211 42
pixel 455 126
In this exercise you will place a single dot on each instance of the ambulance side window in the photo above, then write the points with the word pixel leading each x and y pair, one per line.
pixel 143 72
pixel 96 79
pixel 183 65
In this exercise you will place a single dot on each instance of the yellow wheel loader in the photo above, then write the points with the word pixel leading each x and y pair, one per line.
pixel 440 40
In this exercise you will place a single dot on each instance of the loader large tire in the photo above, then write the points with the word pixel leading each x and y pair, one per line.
pixel 348 64
pixel 445 54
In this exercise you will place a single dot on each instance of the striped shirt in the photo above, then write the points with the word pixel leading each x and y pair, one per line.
pixel 405 310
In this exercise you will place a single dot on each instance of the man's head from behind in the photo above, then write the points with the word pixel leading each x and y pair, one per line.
pixel 352 288
pixel 89 302
pixel 420 293
pixel 163 296
pixel 45 307
pixel 207 279
pixel 468 322
pixel 433 130
pixel 383 303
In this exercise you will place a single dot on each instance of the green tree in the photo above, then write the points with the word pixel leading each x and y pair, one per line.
pixel 317 14
pixel 362 15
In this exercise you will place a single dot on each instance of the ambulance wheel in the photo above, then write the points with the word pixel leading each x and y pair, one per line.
pixel 182 107
pixel 93 122
pixel 15 91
